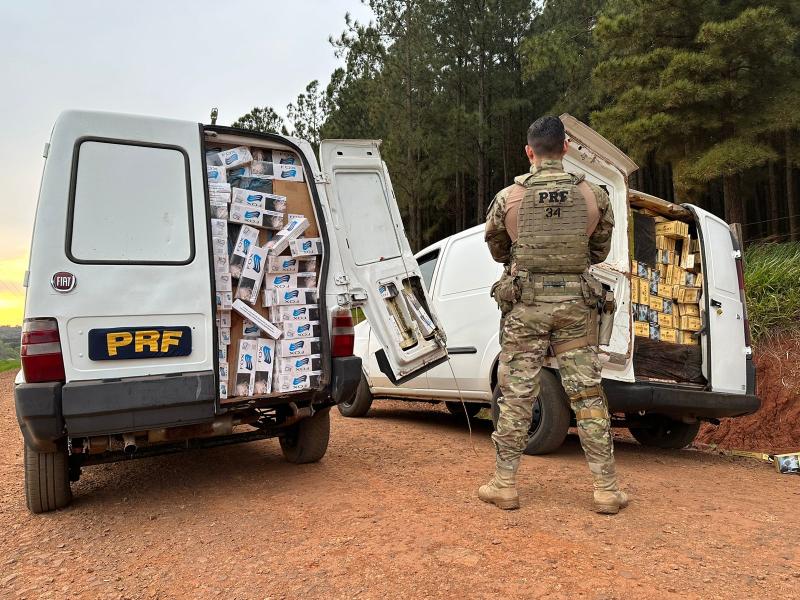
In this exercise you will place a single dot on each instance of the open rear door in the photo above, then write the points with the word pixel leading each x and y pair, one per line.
pixel 382 275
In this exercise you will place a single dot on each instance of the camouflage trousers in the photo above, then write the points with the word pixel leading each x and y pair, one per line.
pixel 528 331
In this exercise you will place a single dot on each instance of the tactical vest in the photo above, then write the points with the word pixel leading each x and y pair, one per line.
pixel 552 246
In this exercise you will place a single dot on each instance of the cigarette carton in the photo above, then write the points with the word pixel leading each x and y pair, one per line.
pixel 256 217
pixel 689 295
pixel 687 339
pixel 306 247
pixel 223 282
pixel 656 303
pixel 302 347
pixel 635 289
pixel 688 323
pixel 248 236
pixel 787 463
pixel 219 228
pixel 280 280
pixel 258 199
pixel 223 372
pixel 285 158
pixel 250 329
pixel 641 329
pixel 644 292
pixel 668 334
pixel 219 245
pixel 294 383
pixel 665 320
pixel 221 264
pixel 251 314
pixel 641 312
pixel 220 198
pixel 219 188
pixel 224 300
pixel 280 314
pixel 257 184
pixel 306 264
pixel 222 352
pixel 241 171
pixel 218 210
pixel 252 275
pixel 282 297
pixel 235 157
pixel 223 390
pixel 674 229
pixel 262 168
pixel 223 318
pixel 300 329
pixel 246 367
pixel 655 332
pixel 690 310
pixel 262 383
pixel 642 270
pixel 298 364
pixel 224 336
pixel 216 174
pixel 287 172
pixel 307 280
pixel 282 264
pixel 652 316
pixel 292 231
pixel 664 290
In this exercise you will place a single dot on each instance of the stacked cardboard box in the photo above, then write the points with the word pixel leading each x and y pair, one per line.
pixel 259 252
pixel 666 295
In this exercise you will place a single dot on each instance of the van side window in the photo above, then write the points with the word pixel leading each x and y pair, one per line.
pixel 130 203
pixel 468 266
pixel 427 265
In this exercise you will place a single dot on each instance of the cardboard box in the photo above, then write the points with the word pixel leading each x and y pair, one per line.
pixel 223 371
pixel 669 334
pixel 664 290
pixel 687 323
pixel 262 382
pixel 287 172
pixel 301 347
pixel 235 157
pixel 643 271
pixel 652 316
pixel 787 463
pixel 245 367
pixel 221 189
pixel 635 268
pixel 219 245
pixel 218 210
pixel 689 295
pixel 641 312
pixel 252 275
pixel 668 304
pixel 255 217
pixel 292 231
pixel 690 310
pixel 307 280
pixel 280 280
pixel 259 199
pixel 300 329
pixel 635 289
pixel 248 236
pixel 308 312
pixel 250 329
pixel 223 390
pixel 223 318
pixel 675 229
pixel 224 300
pixel 641 329
pixel 698 280
pixel 224 336
pixel 644 292
pixel 294 383
pixel 298 364
pixel 286 296
pixel 285 158
pixel 216 174
pixel 223 282
pixel 250 313
pixel 262 168
pixel 282 264
pixel 305 247
pixel 219 228
pixel 665 320
pixel 221 264
pixel 222 352
pixel 687 339
pixel 655 332
pixel 240 171
pixel 656 303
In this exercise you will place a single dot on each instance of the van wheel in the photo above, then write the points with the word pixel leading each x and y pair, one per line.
pixel 46 480
pixel 360 403
pixel 456 408
pixel 307 441
pixel 660 431
pixel 551 416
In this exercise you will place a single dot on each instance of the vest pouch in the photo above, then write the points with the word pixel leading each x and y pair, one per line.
pixel 505 291
pixel 592 290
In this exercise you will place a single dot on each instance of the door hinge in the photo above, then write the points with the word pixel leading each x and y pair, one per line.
pixel 321 177
pixel 341 279
pixel 357 297
pixel 46 150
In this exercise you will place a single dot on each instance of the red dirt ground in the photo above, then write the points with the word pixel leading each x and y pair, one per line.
pixel 776 427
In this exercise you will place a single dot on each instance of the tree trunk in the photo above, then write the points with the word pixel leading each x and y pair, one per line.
pixel 480 213
pixel 773 216
pixel 733 204
pixel 791 200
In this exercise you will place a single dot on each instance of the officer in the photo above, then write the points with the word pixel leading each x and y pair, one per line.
pixel 548 228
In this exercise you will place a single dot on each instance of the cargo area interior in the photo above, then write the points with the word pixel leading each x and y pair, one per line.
pixel 666 291
pixel 267 254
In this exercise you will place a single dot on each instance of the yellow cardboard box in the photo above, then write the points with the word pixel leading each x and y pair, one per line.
pixel 641 328
pixel 689 295
pixel 689 310
pixel 668 334
pixel 675 229
pixel 664 290
pixel 635 282
pixel 664 320
pixel 687 339
pixel 656 303
pixel 688 323
pixel 644 292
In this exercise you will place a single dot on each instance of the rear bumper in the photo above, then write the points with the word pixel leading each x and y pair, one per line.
pixel 47 412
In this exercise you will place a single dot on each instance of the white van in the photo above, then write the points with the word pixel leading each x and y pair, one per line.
pixel 459 272
pixel 122 250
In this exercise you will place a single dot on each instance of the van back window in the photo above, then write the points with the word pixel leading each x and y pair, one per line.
pixel 130 203
pixel 468 266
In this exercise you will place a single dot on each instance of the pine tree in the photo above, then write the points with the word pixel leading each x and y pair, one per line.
pixel 260 119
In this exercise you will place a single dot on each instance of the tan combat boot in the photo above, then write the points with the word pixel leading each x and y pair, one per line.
pixel 501 490
pixel 608 498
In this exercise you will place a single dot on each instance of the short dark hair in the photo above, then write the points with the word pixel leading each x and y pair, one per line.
pixel 546 136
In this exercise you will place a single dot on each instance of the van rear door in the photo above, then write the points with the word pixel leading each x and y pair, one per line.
pixel 122 209
pixel 381 272
pixel 724 341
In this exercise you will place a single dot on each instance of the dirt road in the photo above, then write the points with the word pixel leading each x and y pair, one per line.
pixel 391 512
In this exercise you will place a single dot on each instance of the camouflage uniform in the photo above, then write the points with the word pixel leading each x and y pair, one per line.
pixel 551 303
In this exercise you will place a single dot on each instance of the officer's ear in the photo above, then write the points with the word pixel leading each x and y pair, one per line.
pixel 566 147
pixel 529 153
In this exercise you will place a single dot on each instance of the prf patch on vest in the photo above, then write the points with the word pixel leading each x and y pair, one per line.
pixel 553 201
pixel 121 343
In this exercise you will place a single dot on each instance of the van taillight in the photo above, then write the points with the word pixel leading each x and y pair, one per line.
pixel 343 335
pixel 40 351
pixel 740 275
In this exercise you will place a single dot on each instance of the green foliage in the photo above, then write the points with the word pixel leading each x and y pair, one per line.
pixel 9 364
pixel 261 119
pixel 772 273
pixel 307 114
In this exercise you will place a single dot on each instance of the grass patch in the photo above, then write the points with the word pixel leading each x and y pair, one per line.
pixel 9 364
pixel 772 282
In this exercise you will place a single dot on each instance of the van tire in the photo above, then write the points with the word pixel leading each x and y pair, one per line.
pixel 307 441
pixel 553 415
pixel 360 403
pixel 457 409
pixel 661 431
pixel 46 479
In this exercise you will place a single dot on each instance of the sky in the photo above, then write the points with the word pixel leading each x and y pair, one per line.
pixel 170 59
